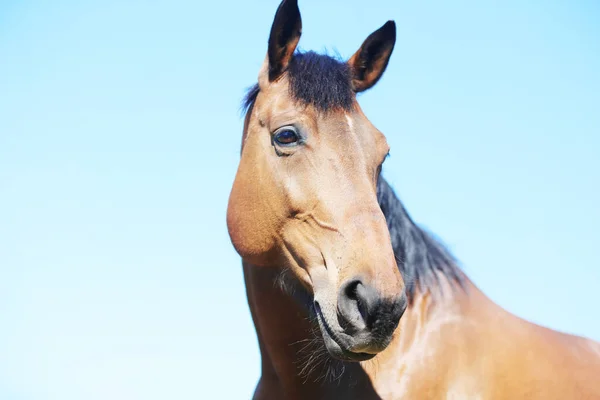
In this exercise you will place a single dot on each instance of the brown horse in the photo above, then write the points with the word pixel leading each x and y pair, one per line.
pixel 350 299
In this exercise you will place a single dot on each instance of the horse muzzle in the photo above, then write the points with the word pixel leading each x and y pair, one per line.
pixel 363 323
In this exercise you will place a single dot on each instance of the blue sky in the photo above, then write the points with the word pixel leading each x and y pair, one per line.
pixel 119 139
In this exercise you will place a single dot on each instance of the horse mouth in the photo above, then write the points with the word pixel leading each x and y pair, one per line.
pixel 337 343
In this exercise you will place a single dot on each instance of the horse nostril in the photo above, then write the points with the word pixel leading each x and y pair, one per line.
pixel 349 308
pixel 350 289
pixel 356 304
pixel 362 309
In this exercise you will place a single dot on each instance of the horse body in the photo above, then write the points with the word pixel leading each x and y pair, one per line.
pixel 349 297
pixel 463 346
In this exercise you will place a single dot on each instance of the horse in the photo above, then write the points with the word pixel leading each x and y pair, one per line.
pixel 349 297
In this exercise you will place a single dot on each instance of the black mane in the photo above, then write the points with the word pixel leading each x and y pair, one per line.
pixel 315 79
pixel 324 82
pixel 250 97
pixel 321 81
pixel 421 259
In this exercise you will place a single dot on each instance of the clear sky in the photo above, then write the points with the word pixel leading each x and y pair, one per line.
pixel 119 140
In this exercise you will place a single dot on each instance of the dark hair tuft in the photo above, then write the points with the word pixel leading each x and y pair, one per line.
pixel 315 79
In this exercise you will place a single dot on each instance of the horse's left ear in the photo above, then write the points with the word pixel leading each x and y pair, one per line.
pixel 369 62
pixel 284 37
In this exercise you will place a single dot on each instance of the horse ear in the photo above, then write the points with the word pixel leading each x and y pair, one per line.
pixel 369 62
pixel 284 37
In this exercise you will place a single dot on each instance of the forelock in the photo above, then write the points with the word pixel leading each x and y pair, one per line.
pixel 318 80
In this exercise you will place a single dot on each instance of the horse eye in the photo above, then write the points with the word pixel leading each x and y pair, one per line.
pixel 286 137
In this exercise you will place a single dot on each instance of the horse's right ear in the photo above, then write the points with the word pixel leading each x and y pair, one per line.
pixel 284 37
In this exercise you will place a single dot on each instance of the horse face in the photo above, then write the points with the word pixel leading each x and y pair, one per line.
pixel 305 198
